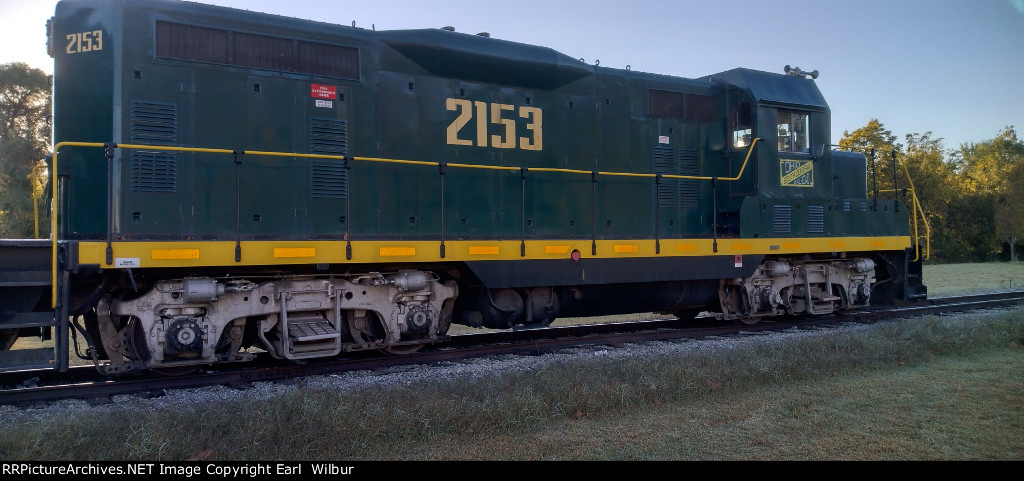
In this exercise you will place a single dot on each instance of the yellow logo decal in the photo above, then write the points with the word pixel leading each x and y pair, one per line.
pixel 797 173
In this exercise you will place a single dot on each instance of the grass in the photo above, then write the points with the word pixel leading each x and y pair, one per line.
pixel 931 388
pixel 958 279
pixel 934 388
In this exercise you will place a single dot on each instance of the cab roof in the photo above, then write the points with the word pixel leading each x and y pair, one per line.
pixel 774 89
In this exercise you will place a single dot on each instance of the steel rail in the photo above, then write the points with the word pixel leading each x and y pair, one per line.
pixel 84 382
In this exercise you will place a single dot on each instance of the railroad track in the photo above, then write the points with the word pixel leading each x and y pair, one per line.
pixel 32 387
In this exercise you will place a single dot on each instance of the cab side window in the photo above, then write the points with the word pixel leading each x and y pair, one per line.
pixel 793 132
pixel 742 124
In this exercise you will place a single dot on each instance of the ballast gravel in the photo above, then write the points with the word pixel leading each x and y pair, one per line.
pixel 402 375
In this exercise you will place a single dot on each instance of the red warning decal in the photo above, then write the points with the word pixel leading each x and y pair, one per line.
pixel 324 92
pixel 738 261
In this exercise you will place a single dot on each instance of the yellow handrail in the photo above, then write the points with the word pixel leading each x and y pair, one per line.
pixel 916 209
pixel 547 169
pixel 924 219
pixel 56 149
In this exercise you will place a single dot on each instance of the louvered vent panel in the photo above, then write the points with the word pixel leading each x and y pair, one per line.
pixel 331 60
pixel 702 108
pixel 782 219
pixel 846 206
pixel 664 103
pixel 815 219
pixel 188 42
pixel 664 164
pixel 328 177
pixel 204 44
pixel 266 52
pixel 153 123
pixel 689 190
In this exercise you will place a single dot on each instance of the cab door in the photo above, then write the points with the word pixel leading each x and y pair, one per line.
pixel 735 199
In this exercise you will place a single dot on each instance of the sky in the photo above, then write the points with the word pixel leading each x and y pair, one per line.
pixel 954 68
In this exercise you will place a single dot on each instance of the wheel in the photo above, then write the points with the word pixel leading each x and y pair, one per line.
pixel 370 330
pixel 750 319
pixel 366 330
pixel 402 350
pixel 175 371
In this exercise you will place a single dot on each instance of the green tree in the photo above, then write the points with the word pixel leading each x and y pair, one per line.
pixel 25 105
pixel 971 196
pixel 1006 152
pixel 1009 221
pixel 986 164
pixel 875 136
pixel 984 170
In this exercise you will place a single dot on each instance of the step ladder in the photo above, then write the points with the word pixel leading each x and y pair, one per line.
pixel 25 288
pixel 310 335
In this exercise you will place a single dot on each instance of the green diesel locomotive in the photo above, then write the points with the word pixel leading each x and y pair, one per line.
pixel 228 182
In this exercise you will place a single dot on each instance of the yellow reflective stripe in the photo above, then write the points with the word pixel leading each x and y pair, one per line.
pixel 174 254
pixel 397 251
pixel 556 249
pixel 289 252
pixel 484 250
pixel 626 248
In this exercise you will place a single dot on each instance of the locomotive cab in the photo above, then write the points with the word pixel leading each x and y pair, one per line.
pixel 811 198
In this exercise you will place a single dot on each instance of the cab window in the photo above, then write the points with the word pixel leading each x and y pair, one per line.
pixel 793 132
pixel 742 124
